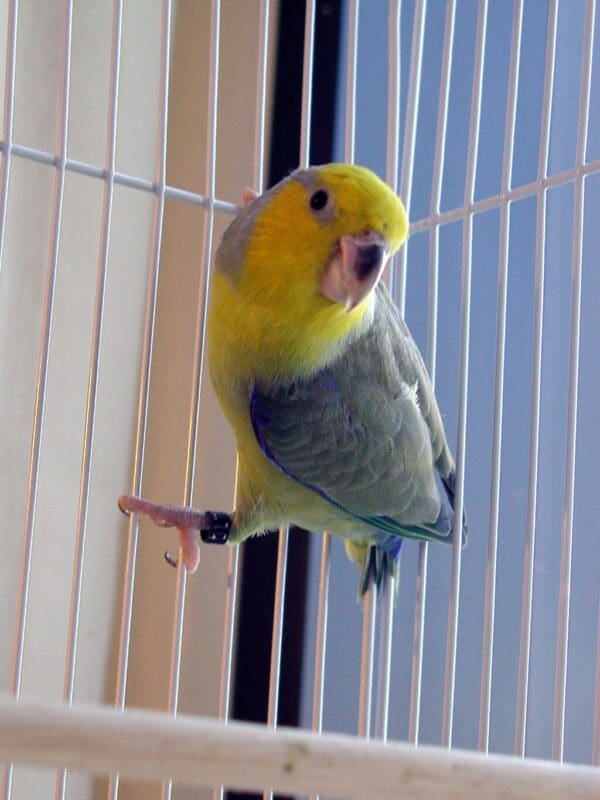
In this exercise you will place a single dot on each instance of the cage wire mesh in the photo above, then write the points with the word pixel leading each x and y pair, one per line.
pixel 127 133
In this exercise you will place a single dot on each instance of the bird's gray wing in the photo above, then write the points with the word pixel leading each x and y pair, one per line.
pixel 411 366
pixel 356 434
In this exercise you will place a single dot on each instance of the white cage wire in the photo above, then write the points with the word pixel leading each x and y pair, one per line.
pixel 107 230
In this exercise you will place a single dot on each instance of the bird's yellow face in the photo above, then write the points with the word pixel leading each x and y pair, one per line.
pixel 322 240
pixel 296 269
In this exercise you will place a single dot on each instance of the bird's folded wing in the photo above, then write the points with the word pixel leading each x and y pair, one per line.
pixel 354 433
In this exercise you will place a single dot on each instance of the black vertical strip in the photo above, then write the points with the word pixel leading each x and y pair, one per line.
pixel 287 102
pixel 255 617
pixel 328 28
pixel 287 107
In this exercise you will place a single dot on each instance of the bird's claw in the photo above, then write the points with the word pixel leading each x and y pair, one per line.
pixel 123 507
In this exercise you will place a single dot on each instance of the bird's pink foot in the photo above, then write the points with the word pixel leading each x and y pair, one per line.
pixel 214 526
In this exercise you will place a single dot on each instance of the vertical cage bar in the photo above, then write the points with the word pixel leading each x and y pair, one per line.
pixel 199 338
pixel 384 660
pixel 277 638
pixel 234 552
pixel 491 567
pixel 366 664
pixel 416 679
pixel 596 736
pixel 465 323
pixel 258 179
pixel 569 499
pixel 386 599
pixel 321 636
pixel 321 640
pixel 229 628
pixel 410 137
pixel 46 334
pixel 146 352
pixel 201 320
pixel 282 547
pixel 393 96
pixel 229 618
pixel 261 97
pixel 304 156
pixel 307 79
pixel 536 383
pixel 436 194
pixel 90 417
pixel 9 109
pixel 323 602
pixel 368 627
pixel 275 668
pixel 7 132
pixel 43 359
pixel 351 71
pixel 90 413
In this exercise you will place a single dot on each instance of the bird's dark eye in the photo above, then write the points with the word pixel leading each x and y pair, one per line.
pixel 318 200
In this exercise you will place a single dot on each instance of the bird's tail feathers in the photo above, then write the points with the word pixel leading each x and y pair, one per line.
pixel 382 558
pixel 379 566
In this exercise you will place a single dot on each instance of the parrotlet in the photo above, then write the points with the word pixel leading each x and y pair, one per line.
pixel 336 422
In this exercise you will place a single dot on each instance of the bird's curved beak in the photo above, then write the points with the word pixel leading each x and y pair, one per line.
pixel 354 269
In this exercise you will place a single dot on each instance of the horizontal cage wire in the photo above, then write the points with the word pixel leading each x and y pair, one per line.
pixel 128 133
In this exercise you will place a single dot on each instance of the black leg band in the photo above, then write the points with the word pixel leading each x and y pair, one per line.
pixel 218 533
